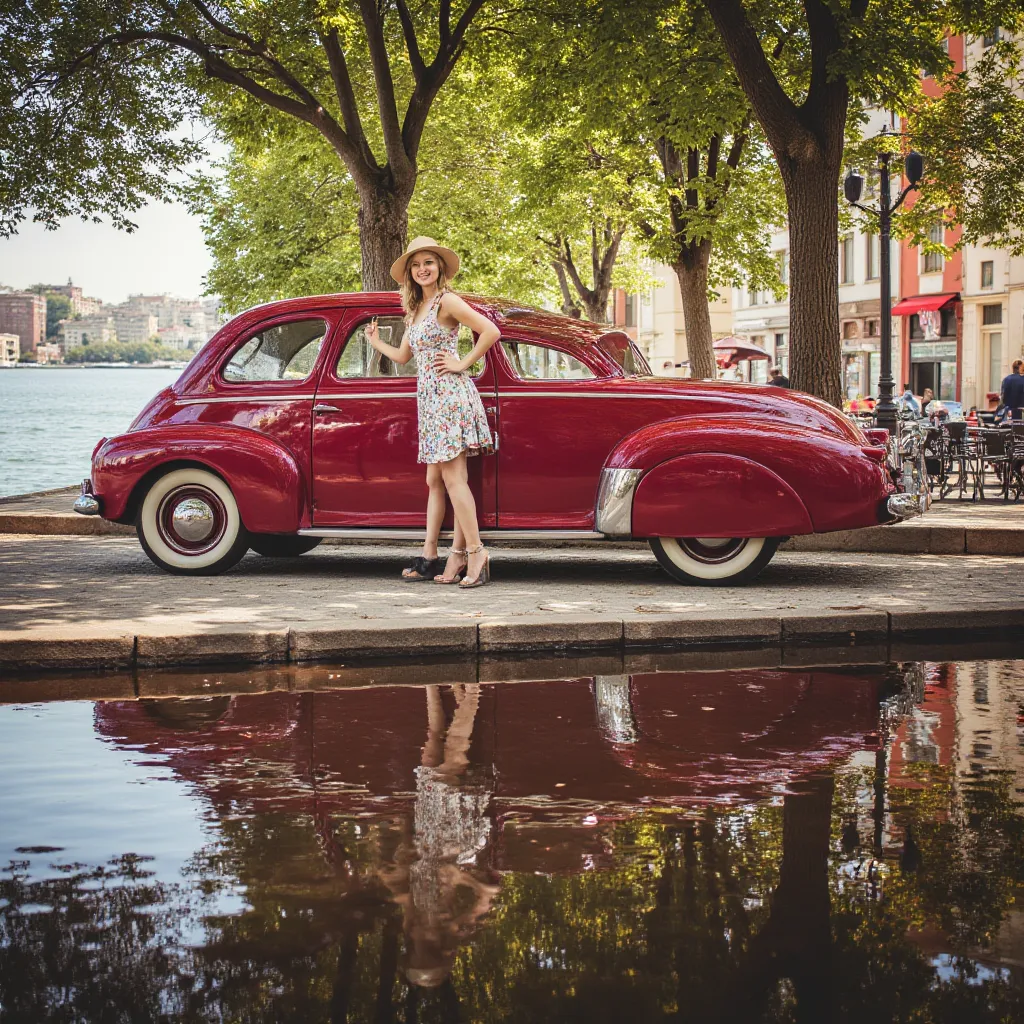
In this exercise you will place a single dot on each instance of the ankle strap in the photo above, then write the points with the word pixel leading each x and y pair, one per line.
pixel 457 551
pixel 473 551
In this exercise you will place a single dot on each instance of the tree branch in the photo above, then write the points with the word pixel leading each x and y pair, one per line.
pixel 346 97
pixel 567 260
pixel 777 113
pixel 394 145
pixel 419 69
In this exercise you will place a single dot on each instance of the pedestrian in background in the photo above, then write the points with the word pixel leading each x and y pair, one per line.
pixel 777 378
pixel 1011 391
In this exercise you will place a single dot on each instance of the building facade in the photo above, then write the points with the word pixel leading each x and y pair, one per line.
pixel 24 314
pixel 10 349
pixel 658 325
pixel 89 330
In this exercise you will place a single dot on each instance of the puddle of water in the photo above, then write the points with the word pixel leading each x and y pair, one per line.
pixel 763 844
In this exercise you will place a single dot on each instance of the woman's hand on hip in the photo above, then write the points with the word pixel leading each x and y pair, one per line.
pixel 446 362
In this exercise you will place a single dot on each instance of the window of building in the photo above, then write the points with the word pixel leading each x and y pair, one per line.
pixel 934 261
pixel 992 314
pixel 850 330
pixel 630 312
pixel 872 328
pixel 846 260
pixel 990 38
pixel 987 273
pixel 874 257
pixel 282 352
pixel 995 360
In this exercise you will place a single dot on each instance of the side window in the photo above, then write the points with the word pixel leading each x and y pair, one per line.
pixel 360 359
pixel 538 362
pixel 282 352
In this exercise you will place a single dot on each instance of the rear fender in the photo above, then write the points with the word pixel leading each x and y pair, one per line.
pixel 267 482
pixel 714 495
pixel 834 481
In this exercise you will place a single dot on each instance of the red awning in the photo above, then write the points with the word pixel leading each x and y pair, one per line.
pixel 918 303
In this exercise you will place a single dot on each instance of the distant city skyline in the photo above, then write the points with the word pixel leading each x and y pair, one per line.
pixel 165 255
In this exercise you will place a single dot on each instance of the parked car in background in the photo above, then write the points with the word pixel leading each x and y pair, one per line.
pixel 288 428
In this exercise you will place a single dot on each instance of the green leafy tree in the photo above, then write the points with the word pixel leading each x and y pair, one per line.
pixel 803 67
pixel 113 81
pixel 58 307
pixel 972 138
pixel 680 153
pixel 123 352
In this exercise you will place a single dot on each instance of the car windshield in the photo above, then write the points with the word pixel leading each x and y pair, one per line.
pixel 625 353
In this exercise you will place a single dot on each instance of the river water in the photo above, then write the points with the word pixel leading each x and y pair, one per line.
pixel 51 419
pixel 784 845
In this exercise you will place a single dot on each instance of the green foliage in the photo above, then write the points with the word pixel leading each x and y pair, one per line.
pixel 124 352
pixel 972 138
pixel 646 95
pixel 100 142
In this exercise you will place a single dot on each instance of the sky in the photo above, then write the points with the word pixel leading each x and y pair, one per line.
pixel 165 255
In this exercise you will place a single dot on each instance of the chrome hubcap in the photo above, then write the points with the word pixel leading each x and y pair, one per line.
pixel 192 520
pixel 712 550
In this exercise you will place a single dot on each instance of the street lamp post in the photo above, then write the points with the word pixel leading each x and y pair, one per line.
pixel 913 166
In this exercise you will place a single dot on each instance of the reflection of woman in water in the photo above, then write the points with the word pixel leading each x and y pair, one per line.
pixel 438 883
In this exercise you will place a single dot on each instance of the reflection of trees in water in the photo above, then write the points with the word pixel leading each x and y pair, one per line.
pixel 777 912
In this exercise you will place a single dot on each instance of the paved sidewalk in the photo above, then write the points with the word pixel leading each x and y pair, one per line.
pixel 949 528
pixel 74 601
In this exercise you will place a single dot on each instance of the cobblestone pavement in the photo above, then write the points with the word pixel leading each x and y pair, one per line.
pixel 67 586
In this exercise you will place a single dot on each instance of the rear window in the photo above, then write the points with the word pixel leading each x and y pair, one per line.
pixel 625 353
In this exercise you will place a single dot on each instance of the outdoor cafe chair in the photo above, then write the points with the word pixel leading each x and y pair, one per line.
pixel 993 449
pixel 1015 450
pixel 960 459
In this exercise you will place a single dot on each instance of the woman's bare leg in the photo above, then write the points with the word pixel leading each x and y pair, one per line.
pixel 456 482
pixel 436 502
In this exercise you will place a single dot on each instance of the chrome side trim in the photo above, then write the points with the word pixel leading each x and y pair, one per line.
pixel 215 400
pixel 615 501
pixel 412 534
pixel 591 394
pixel 365 394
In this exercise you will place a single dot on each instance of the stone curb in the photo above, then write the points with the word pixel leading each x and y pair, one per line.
pixel 63 524
pixel 666 636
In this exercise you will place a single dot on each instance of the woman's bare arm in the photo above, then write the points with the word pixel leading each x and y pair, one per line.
pixel 455 307
pixel 400 354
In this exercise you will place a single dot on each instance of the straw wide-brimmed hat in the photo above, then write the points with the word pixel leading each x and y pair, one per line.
pixel 450 257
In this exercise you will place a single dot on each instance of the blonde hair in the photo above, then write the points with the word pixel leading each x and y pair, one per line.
pixel 412 293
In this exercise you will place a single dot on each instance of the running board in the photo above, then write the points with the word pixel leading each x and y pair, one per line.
pixel 374 533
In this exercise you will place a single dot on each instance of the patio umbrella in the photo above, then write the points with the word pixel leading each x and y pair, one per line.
pixel 732 350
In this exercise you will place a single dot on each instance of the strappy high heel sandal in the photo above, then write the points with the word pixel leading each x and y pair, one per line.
pixel 425 569
pixel 456 577
pixel 483 576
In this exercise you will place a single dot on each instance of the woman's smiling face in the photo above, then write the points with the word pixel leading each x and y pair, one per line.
pixel 425 268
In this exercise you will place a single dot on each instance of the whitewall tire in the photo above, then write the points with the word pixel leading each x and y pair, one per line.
pixel 189 524
pixel 713 561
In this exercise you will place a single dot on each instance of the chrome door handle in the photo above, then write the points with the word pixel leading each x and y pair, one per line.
pixel 326 408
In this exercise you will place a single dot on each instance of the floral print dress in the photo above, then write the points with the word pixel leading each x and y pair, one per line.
pixel 451 416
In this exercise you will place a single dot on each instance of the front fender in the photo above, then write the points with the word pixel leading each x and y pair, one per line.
pixel 264 477
pixel 837 483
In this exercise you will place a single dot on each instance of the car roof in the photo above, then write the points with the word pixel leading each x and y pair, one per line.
pixel 530 318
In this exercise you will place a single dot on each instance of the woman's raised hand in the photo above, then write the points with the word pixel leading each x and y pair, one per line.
pixel 372 334
pixel 446 362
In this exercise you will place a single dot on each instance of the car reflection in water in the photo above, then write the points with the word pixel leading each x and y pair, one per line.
pixel 669 846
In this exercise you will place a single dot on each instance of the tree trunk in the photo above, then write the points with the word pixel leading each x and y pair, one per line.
pixel 383 232
pixel 815 348
pixel 692 271
pixel 597 308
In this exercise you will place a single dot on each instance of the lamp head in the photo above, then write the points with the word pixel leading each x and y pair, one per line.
pixel 853 186
pixel 913 168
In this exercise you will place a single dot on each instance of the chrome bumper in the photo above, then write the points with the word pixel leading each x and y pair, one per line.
pixel 87 504
pixel 906 506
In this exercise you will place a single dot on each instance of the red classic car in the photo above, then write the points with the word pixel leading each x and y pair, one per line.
pixel 288 428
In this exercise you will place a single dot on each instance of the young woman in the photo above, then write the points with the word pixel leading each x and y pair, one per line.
pixel 452 421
